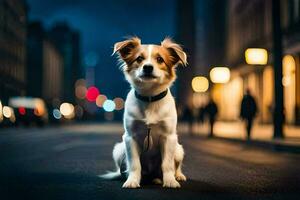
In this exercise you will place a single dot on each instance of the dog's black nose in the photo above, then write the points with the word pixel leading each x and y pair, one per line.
pixel 147 69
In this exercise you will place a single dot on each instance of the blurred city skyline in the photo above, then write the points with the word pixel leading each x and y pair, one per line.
pixel 101 24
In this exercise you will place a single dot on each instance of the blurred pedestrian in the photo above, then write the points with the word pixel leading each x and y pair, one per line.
pixel 201 114
pixel 248 111
pixel 189 118
pixel 211 110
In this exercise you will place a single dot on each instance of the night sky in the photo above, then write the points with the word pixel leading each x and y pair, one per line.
pixel 102 23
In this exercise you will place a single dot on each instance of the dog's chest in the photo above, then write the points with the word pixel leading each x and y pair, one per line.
pixel 143 132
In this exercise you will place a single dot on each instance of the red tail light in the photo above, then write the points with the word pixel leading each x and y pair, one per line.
pixel 22 111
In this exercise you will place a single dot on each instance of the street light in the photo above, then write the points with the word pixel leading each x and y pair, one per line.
pixel 200 84
pixel 219 74
pixel 256 56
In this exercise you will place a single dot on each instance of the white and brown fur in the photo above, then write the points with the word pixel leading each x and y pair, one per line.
pixel 163 160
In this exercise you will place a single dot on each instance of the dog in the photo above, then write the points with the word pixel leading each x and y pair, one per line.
pixel 150 147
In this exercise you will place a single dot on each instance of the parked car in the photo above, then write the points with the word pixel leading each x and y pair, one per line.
pixel 29 110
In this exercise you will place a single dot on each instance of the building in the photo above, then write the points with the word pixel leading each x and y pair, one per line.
pixel 185 35
pixel 250 25
pixel 45 66
pixel 201 29
pixel 13 22
pixel 68 43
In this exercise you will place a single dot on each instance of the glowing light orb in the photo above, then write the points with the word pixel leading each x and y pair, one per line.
pixel 219 75
pixel 200 84
pixel 56 113
pixel 256 56
pixel 7 111
pixel 67 110
pixel 92 93
pixel 22 111
pixel 91 59
pixel 80 92
pixel 109 105
pixel 100 100
pixel 119 102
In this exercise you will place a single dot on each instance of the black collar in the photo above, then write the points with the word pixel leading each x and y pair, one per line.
pixel 150 99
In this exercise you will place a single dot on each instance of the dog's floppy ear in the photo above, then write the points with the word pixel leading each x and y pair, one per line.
pixel 178 56
pixel 126 47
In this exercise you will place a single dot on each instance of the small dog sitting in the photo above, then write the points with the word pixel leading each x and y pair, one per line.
pixel 150 148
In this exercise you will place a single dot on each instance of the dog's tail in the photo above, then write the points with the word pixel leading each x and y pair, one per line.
pixel 111 175
pixel 120 162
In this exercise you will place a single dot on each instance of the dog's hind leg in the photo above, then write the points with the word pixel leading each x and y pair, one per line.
pixel 179 154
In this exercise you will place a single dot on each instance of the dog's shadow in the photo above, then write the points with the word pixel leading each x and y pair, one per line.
pixel 188 186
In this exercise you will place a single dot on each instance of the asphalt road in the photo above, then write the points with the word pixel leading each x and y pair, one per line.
pixel 63 163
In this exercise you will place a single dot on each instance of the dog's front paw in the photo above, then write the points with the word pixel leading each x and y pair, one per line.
pixel 171 182
pixel 180 177
pixel 131 183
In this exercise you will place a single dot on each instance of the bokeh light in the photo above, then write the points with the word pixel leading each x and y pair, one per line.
pixel 200 84
pixel 109 105
pixel 22 110
pixel 1 114
pixel 91 59
pixel 100 100
pixel 7 111
pixel 80 82
pixel 56 113
pixel 39 107
pixel 80 92
pixel 219 75
pixel 119 102
pixel 67 110
pixel 92 94
pixel 256 56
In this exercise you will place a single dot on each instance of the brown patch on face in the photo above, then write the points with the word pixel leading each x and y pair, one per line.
pixel 177 55
pixel 128 50
pixel 167 63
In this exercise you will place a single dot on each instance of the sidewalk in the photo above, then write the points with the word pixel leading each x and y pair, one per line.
pixel 261 135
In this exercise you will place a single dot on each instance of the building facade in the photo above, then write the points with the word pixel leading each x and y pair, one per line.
pixel 201 28
pixel 67 41
pixel 13 22
pixel 250 26
pixel 185 35
pixel 45 66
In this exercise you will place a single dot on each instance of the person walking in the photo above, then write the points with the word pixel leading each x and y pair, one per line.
pixel 211 110
pixel 248 111
pixel 188 117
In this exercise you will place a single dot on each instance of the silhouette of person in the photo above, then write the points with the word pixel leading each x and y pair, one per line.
pixel 211 110
pixel 189 118
pixel 248 111
pixel 201 114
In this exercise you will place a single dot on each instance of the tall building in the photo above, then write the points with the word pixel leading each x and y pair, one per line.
pixel 13 21
pixel 185 35
pixel 68 43
pixel 250 25
pixel 45 66
pixel 201 28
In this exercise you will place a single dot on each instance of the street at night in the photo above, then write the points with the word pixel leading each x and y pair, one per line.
pixel 207 90
pixel 63 163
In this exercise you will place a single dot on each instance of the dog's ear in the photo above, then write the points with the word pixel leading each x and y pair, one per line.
pixel 126 47
pixel 178 56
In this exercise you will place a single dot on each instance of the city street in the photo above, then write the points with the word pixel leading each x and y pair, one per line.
pixel 63 163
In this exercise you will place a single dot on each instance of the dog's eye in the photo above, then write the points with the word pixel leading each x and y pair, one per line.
pixel 159 59
pixel 139 59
